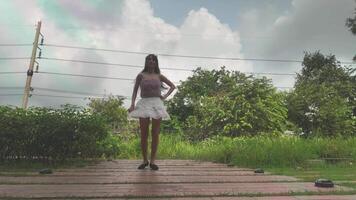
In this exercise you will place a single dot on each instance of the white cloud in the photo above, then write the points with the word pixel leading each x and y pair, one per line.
pixel 203 34
pixel 133 26
pixel 307 26
pixel 136 29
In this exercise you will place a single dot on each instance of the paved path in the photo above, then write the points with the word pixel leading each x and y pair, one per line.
pixel 176 179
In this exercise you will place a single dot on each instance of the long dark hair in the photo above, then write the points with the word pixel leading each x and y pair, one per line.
pixel 156 70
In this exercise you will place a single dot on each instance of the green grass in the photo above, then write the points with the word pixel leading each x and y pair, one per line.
pixel 342 174
pixel 262 151
pixel 348 184
pixel 311 173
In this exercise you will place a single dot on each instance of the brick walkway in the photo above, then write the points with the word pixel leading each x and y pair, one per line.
pixel 176 179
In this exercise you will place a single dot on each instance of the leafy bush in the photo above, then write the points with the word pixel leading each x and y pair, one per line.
pixel 227 103
pixel 46 133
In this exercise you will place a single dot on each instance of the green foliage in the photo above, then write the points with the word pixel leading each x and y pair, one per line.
pixel 227 103
pixel 351 24
pixel 46 133
pixel 342 172
pixel 130 147
pixel 110 145
pixel 111 108
pixel 324 99
pixel 171 126
pixel 257 151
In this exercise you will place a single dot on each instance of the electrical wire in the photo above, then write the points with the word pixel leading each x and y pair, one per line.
pixel 182 56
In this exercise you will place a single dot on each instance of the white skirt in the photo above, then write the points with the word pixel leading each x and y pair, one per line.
pixel 150 107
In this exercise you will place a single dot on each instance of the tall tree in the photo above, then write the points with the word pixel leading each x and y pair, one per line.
pixel 324 99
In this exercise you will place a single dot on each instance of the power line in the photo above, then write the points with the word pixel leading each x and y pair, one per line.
pixel 72 92
pixel 95 94
pixel 11 94
pixel 137 66
pixel 241 37
pixel 128 79
pixel 14 58
pixel 66 91
pixel 92 48
pixel 76 92
pixel 14 45
pixel 163 33
pixel 74 97
pixel 58 96
pixel 23 25
pixel 105 63
pixel 124 79
pixel 53 90
pixel 171 55
pixel 11 88
pixel 86 93
pixel 12 72
pixel 151 32
pixel 182 56
pixel 90 76
pixel 87 76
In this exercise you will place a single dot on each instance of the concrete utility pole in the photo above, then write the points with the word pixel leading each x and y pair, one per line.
pixel 30 68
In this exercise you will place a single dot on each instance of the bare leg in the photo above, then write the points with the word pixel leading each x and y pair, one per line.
pixel 144 124
pixel 155 138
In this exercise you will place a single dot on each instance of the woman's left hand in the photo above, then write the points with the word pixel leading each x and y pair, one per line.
pixel 162 97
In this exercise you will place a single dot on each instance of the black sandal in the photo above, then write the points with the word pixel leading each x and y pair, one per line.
pixel 143 165
pixel 153 166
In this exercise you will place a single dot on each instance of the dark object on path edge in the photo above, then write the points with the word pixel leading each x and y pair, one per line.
pixel 230 165
pixel 324 183
pixel 259 170
pixel 45 171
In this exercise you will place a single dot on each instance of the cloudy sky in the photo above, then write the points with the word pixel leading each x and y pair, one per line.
pixel 254 29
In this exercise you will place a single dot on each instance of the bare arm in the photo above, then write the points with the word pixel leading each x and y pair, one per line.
pixel 169 83
pixel 134 93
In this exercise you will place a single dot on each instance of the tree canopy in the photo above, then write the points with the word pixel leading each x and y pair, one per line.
pixel 324 98
pixel 111 108
pixel 228 103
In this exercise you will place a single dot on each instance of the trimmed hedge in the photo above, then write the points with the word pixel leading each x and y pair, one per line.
pixel 51 134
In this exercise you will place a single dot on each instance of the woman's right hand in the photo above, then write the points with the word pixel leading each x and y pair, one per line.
pixel 132 107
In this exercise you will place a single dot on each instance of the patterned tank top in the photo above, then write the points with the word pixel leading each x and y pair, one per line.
pixel 150 88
